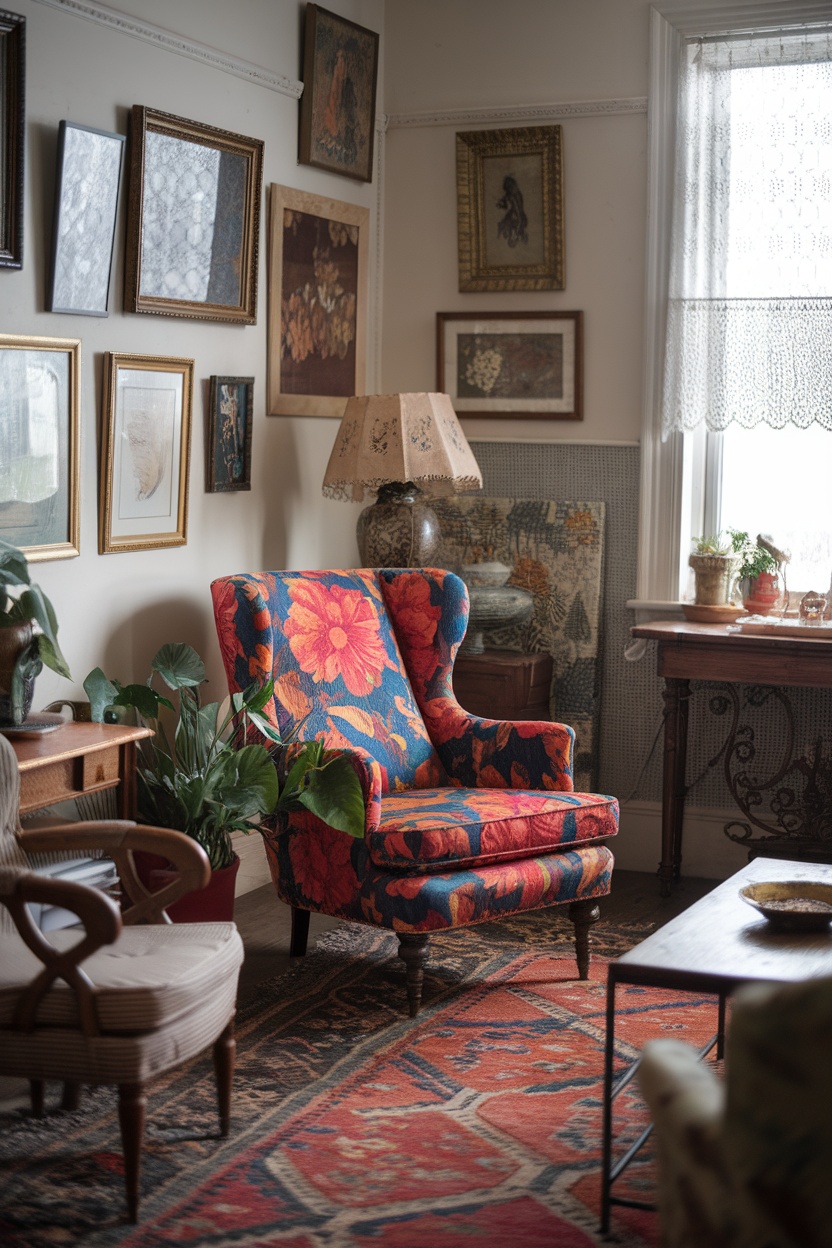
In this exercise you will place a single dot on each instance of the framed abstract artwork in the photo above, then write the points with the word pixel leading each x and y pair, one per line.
pixel 193 215
pixel 506 364
pixel 145 452
pixel 12 137
pixel 338 105
pixel 39 445
pixel 86 206
pixel 510 209
pixel 228 444
pixel 317 303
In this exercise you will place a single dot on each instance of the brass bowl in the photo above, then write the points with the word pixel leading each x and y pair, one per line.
pixel 792 905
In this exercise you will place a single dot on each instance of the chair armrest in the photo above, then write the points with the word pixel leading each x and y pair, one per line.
pixel 102 923
pixel 120 838
pixel 367 770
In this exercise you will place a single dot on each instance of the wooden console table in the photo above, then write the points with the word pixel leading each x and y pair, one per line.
pixel 78 759
pixel 708 652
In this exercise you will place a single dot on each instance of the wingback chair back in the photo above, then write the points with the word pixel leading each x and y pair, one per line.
pixel 467 819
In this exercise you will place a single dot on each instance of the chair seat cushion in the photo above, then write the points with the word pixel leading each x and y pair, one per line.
pixel 149 977
pixel 434 829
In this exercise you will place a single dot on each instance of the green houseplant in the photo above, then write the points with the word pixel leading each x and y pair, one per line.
pixel 722 561
pixel 206 778
pixel 28 636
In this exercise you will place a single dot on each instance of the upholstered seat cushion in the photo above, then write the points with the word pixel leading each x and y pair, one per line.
pixel 435 829
pixel 146 980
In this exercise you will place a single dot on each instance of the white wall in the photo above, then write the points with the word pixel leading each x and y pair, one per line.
pixel 116 609
pixel 485 54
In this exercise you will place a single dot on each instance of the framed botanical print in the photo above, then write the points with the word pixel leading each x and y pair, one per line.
pixel 145 452
pixel 86 206
pixel 510 209
pixel 338 105
pixel 39 445
pixel 507 364
pixel 193 216
pixel 12 137
pixel 317 303
pixel 228 444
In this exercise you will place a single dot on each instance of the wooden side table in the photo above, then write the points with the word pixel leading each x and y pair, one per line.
pixel 77 759
pixel 504 684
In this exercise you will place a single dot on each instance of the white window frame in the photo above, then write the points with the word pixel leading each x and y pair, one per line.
pixel 673 472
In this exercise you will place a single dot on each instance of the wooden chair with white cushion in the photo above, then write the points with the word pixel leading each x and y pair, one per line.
pixel 126 997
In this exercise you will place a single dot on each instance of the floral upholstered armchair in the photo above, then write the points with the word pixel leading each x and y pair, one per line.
pixel 467 819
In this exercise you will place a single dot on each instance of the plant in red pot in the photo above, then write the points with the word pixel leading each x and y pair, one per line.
pixel 208 778
pixel 757 576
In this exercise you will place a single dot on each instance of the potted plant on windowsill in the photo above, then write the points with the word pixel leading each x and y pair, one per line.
pixel 28 636
pixel 208 779
pixel 715 563
pixel 757 576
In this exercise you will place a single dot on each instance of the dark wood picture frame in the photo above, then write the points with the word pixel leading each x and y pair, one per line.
pixel 512 364
pixel 12 139
pixel 510 209
pixel 338 105
pixel 86 208
pixel 167 156
pixel 228 442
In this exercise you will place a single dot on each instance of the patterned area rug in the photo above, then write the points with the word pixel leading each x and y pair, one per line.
pixel 354 1126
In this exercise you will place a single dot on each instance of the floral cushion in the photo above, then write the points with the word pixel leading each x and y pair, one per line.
pixel 439 828
pixel 327 640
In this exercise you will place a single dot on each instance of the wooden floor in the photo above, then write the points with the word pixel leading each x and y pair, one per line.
pixel 264 923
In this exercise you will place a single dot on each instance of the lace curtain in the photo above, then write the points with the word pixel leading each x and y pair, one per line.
pixel 749 317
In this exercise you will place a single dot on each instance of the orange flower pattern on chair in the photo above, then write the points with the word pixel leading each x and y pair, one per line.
pixel 467 818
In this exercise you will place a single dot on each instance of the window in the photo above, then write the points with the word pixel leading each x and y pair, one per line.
pixel 739 345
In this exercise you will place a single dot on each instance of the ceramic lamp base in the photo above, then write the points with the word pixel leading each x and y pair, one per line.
pixel 398 530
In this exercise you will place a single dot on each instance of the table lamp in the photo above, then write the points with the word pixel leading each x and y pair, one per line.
pixel 402 446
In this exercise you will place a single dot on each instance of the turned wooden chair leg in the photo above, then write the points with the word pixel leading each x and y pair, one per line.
pixel 36 1097
pixel 225 1051
pixel 300 932
pixel 72 1095
pixel 413 950
pixel 583 914
pixel 132 1104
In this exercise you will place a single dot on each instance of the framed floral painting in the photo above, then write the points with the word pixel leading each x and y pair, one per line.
pixel 317 303
pixel 507 364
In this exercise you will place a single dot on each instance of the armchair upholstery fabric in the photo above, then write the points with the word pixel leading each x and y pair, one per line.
pixel 116 1001
pixel 746 1162
pixel 467 819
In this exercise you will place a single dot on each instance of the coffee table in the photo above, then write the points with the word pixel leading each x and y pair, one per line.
pixel 714 946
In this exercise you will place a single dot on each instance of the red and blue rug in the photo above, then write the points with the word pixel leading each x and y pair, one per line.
pixel 478 1122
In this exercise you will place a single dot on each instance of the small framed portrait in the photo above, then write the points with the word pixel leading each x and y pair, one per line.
pixel 145 453
pixel 510 209
pixel 228 444
pixel 506 364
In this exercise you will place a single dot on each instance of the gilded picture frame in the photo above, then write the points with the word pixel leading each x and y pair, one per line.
pixel 228 444
pixel 40 379
pixel 512 364
pixel 510 209
pixel 12 136
pixel 145 454
pixel 338 104
pixel 317 342
pixel 183 259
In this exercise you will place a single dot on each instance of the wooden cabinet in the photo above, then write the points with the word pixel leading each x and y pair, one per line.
pixel 504 684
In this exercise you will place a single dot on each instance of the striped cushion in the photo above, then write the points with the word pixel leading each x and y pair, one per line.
pixel 147 979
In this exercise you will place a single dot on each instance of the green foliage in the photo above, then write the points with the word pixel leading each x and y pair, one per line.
pixel 21 602
pixel 208 780
pixel 753 559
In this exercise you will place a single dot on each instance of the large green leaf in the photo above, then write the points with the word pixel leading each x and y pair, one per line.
pixel 179 665
pixel 101 692
pixel 333 793
pixel 14 568
pixel 257 786
pixel 34 604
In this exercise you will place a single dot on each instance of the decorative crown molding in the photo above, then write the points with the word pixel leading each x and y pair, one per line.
pixel 517 113
pixel 177 44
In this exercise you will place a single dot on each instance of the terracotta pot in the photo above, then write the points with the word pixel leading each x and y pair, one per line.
pixel 12 641
pixel 761 594
pixel 212 904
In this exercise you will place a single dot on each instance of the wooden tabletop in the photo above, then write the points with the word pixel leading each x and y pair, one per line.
pixel 722 941
pixel 72 740
pixel 711 652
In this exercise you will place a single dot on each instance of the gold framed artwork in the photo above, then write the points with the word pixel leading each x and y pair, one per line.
pixel 510 209
pixel 193 216
pixel 145 452
pixel 39 445
pixel 318 253
pixel 338 105
pixel 512 364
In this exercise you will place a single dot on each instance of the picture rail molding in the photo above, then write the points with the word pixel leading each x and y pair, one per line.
pixel 519 113
pixel 179 45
